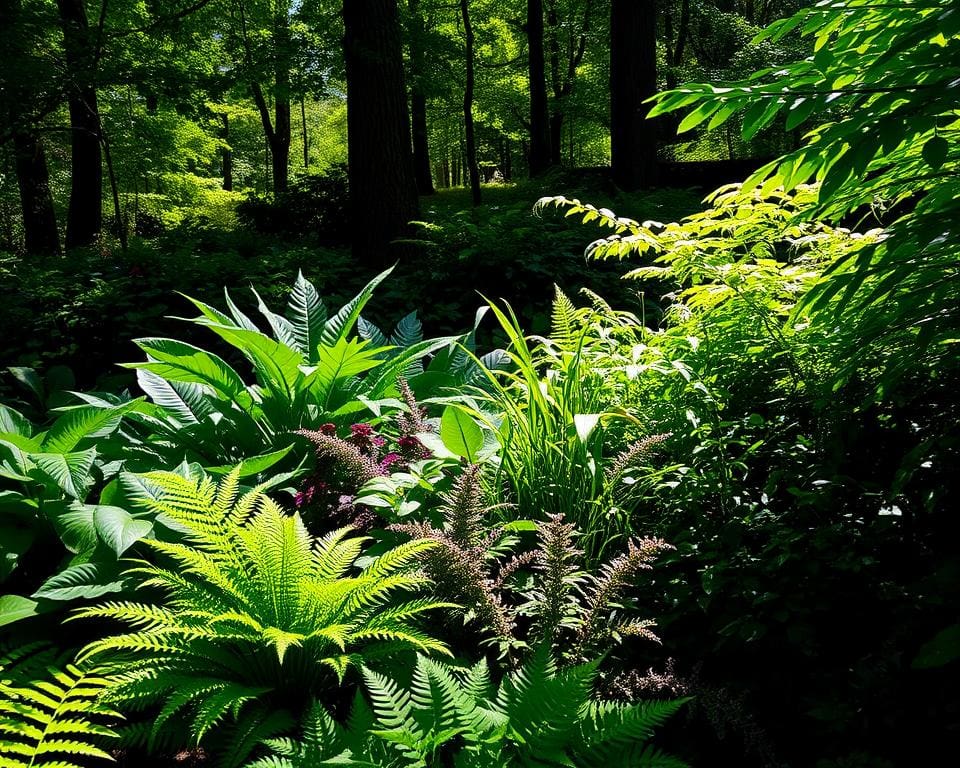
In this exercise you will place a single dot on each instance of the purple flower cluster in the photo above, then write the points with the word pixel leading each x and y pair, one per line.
pixel 344 464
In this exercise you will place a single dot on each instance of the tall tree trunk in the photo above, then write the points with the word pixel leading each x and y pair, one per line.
pixel 84 213
pixel 418 102
pixel 29 158
pixel 471 139
pixel 539 112
pixel 633 79
pixel 383 189
pixel 277 129
pixel 227 155
pixel 39 219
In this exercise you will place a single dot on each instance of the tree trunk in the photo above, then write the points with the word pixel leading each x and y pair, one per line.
pixel 39 219
pixel 84 213
pixel 633 79
pixel 277 130
pixel 418 102
pixel 539 113
pixel 383 189
pixel 471 140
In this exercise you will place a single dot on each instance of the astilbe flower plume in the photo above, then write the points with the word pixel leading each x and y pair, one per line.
pixel 557 561
pixel 607 588
pixel 459 566
pixel 414 421
pixel 342 468
pixel 636 453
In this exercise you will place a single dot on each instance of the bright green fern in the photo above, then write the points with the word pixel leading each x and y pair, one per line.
pixel 540 716
pixel 50 713
pixel 258 615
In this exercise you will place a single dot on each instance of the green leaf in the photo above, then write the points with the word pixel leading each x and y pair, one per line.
pixel 68 471
pixel 14 608
pixel 83 422
pixel 178 361
pixel 254 465
pixel 14 422
pixel 460 433
pixel 118 529
pixel 306 313
pixel 83 581
pixel 340 325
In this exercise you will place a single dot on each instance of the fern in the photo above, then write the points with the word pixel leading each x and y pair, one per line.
pixel 541 716
pixel 51 716
pixel 256 609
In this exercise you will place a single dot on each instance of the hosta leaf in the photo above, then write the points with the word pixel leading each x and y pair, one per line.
pixel 460 433
pixel 14 608
pixel 83 581
pixel 118 529
pixel 68 471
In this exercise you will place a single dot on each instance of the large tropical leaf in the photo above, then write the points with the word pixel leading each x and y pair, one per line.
pixel 307 315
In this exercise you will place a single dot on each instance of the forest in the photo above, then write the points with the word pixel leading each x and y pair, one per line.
pixel 467 384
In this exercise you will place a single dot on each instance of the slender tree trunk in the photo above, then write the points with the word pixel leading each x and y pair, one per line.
pixel 470 133
pixel 118 218
pixel 418 102
pixel 227 155
pixel 633 79
pixel 33 180
pixel 508 157
pixel 84 213
pixel 383 188
pixel 539 111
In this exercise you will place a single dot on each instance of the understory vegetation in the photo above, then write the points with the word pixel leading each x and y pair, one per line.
pixel 559 487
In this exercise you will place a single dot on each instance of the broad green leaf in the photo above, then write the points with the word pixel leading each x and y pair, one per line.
pixel 940 650
pixel 460 433
pixel 186 401
pixel 254 465
pixel 178 361
pixel 14 422
pixel 15 608
pixel 68 471
pixel 83 581
pixel 118 529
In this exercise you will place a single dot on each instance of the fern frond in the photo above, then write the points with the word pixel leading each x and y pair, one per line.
pixel 52 721
pixel 254 608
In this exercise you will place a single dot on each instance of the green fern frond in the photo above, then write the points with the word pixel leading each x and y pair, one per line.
pixel 255 611
pixel 55 721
